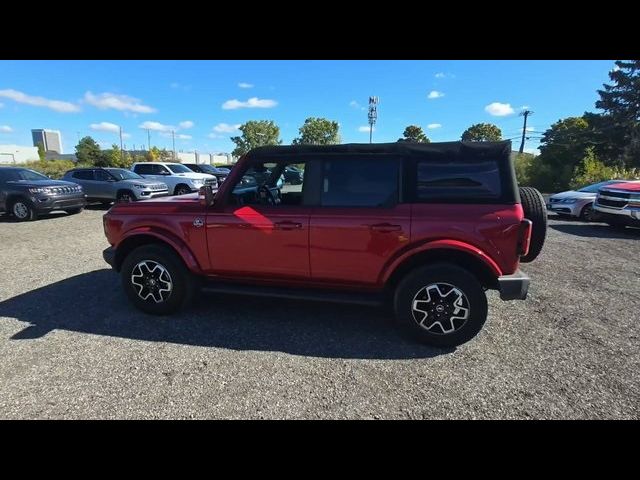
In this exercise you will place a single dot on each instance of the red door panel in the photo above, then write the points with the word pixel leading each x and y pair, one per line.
pixel 259 241
pixel 353 244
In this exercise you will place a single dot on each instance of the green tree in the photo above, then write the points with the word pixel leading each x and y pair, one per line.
pixel 256 133
pixel 41 153
pixel 482 132
pixel 617 129
pixel 414 134
pixel 318 131
pixel 153 155
pixel 88 151
pixel 165 156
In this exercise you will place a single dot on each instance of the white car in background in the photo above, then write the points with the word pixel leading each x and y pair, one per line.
pixel 577 203
pixel 178 178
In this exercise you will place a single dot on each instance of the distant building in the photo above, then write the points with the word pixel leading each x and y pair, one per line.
pixel 51 139
pixel 15 154
pixel 60 156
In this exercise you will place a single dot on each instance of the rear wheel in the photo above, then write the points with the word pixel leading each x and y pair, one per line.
pixel 156 280
pixel 22 210
pixel 535 210
pixel 442 305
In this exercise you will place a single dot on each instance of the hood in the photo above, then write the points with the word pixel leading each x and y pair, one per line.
pixel 143 181
pixel 629 186
pixel 194 175
pixel 189 203
pixel 42 183
pixel 573 194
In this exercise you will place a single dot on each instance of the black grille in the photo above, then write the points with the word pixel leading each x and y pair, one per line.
pixel 612 203
pixel 615 194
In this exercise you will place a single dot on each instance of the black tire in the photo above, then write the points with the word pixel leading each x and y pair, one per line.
pixel 181 280
pixel 182 190
pixel 22 210
pixel 74 211
pixel 125 196
pixel 535 210
pixel 445 276
pixel 587 214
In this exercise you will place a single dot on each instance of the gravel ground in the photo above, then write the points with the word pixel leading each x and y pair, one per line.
pixel 72 347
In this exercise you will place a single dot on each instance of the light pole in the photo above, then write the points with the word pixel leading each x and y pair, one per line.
pixel 373 115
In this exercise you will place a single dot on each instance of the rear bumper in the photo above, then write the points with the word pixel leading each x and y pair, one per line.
pixel 514 286
pixel 109 255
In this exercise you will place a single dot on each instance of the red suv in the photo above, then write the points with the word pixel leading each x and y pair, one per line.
pixel 425 227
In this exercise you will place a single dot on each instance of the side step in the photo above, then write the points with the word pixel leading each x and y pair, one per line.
pixel 357 298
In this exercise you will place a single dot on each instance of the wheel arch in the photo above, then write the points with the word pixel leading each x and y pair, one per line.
pixel 125 190
pixel 178 185
pixel 137 239
pixel 458 253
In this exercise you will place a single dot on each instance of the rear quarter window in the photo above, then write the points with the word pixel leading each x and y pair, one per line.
pixel 459 180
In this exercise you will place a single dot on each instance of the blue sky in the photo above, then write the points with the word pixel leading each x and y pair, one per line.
pixel 203 101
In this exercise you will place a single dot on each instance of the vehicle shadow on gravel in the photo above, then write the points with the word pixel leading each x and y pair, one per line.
pixel 4 218
pixel 596 230
pixel 94 303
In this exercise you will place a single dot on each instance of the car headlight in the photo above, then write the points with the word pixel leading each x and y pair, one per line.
pixel 39 190
pixel 197 182
pixel 136 185
pixel 570 200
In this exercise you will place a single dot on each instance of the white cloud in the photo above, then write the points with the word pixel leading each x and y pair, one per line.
pixel 123 103
pixel 435 94
pixel 177 85
pixel 215 135
pixel 105 127
pixel 431 126
pixel 498 109
pixel 226 128
pixel 245 85
pixel 5 129
pixel 444 75
pixel 156 126
pixel 179 136
pixel 365 128
pixel 355 104
pixel 615 68
pixel 530 129
pixel 56 105
pixel 253 102
pixel 186 124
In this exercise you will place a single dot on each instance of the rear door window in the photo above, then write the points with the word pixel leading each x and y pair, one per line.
pixel 83 174
pixel 360 182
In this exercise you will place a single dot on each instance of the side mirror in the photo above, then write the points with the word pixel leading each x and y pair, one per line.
pixel 206 196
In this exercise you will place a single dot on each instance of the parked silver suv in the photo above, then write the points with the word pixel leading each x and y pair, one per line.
pixel 108 184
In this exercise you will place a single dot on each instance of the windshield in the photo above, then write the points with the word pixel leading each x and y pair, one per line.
pixel 177 168
pixel 24 174
pixel 122 174
pixel 207 168
pixel 596 186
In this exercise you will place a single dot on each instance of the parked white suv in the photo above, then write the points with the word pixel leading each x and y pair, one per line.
pixel 178 178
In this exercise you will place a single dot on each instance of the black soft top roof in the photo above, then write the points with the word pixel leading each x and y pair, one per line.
pixel 435 151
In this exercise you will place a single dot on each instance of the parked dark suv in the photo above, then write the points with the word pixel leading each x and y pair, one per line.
pixel 25 194
pixel 220 173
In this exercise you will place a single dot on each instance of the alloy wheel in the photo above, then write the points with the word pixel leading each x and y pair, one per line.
pixel 20 210
pixel 440 308
pixel 151 281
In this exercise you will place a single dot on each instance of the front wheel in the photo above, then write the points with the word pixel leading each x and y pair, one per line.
pixel 441 305
pixel 587 214
pixel 182 190
pixel 156 280
pixel 22 210
pixel 73 211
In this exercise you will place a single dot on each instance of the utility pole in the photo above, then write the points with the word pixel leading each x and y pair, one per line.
pixel 121 149
pixel 373 115
pixel 173 137
pixel 149 140
pixel 525 114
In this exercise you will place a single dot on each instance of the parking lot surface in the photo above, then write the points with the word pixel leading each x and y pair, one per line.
pixel 72 346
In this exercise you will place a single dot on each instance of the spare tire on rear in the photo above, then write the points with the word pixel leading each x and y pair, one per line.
pixel 535 209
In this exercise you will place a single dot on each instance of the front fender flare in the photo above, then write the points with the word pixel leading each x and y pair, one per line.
pixel 167 237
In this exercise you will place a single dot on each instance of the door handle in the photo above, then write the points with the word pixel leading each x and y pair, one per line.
pixel 288 225
pixel 385 228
